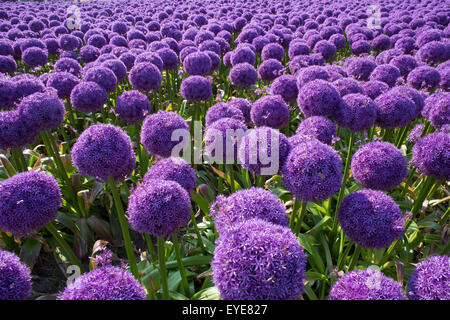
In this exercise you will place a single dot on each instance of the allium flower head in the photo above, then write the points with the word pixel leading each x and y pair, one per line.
pixel 63 82
pixel 371 218
pixel 196 89
pixel 431 279
pixel 104 283
pixel 318 98
pixel 270 111
pixel 197 63
pixel 270 69
pixel 272 51
pixel 286 87
pixel 311 73
pixel 348 86
pixel 368 284
pixel 318 127
pixel 15 278
pixel 132 106
pixel 28 201
pixel 145 76
pixel 431 155
pixel 13 130
pixel 241 252
pixel 103 150
pixel 88 96
pixel 437 109
pixel 357 112
pixel 158 207
pixel 360 68
pixel 35 57
pixel 386 73
pixel 242 54
pixel 243 75
pixel 313 171
pixel 424 77
pixel 242 104
pixel 394 110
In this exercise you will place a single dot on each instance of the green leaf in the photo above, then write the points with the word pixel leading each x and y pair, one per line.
pixel 211 293
pixel 29 251
pixel 201 202
pixel 312 276
pixel 306 242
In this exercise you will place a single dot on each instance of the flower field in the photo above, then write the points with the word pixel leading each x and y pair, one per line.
pixel 232 150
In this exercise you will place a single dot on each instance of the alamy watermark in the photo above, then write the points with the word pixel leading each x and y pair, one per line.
pixel 374 19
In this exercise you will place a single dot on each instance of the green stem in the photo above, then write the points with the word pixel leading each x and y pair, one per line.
pixel 231 176
pixel 341 260
pixel 162 267
pixel 124 226
pixel 355 257
pixel 65 247
pixel 184 279
pixel 444 217
pixel 151 249
pixel 427 185
pixel 197 232
pixel 302 214
pixel 19 159
pixel 407 183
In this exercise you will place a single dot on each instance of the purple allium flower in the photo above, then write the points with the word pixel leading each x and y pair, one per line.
pixel 375 88
pixel 102 76
pixel 185 52
pixel 318 98
pixel 68 65
pixel 313 171
pixel 309 74
pixel 286 87
pixel 241 252
pixel 173 169
pixel 28 201
pixel 414 95
pixel 360 47
pixel 246 204
pixel 132 106
pixel 68 42
pixel 150 57
pixel 368 284
pixel 27 84
pixel 326 48
pixel 424 77
pixel 242 104
pixel 437 109
pixel 394 110
pixel 386 73
pixel 210 45
pixel 196 89
pixel 169 58
pixel 371 218
pixel 270 69
pixel 379 166
pixel 215 60
pixel 360 68
pixel 270 111
pixel 222 110
pixel 406 45
pixel 15 277
pixel 104 150
pixel 405 64
pixel 197 63
pixel 104 283
pixel 427 36
pixel 431 279
pixel 242 54
pixel 416 132
pixel 318 127
pixel 348 86
pixel 431 155
pixel 157 130
pixel 357 112
pixel 338 40
pixel 381 42
pixel 35 57
pixel 42 111
pixel 145 76
pixel 8 93
pixel 116 66
pixel 243 75
pixel 272 51
pixel 7 64
pixel 266 148
pixel 158 207
pixel 88 96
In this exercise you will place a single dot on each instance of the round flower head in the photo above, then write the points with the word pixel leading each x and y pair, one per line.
pixel 379 166
pixel 430 279
pixel 325 48
pixel 371 218
pixel 424 77
pixel 15 278
pixel 243 75
pixel 26 84
pixel 405 45
pixel 68 65
pixel 394 110
pixel 357 112
pixel 173 169
pixel 433 52
pixel 437 109
pixel 132 106
pixel 309 74
pixel 360 68
pixel 386 73
pixel 405 64
pixel 220 136
pixel 88 96
pixel 431 155
pixel 416 96
pixel 368 284
pixel 159 207
pixel 145 76
pixel 68 42
pixel 338 40
pixel 313 171
pixel 242 104
pixel 196 89
pixel 104 283
pixel 375 88
pixel 8 94
pixel 270 111
pixel 318 98
pixel 169 58
pixel 150 57
pixel 318 127
pixel 42 111
pixel 14 132
pixel 34 57
pixel 28 201
pixel 264 148
pixel 103 76
pixel 286 87
pixel 246 247
pixel 381 42
pixel 197 63
pixel 7 65
pixel 222 110
pixel 157 130
pixel 272 51
pixel 270 69
pixel 360 47
pixel 242 55
pixel 116 66
pixel 246 204
pixel 63 82
pixel 104 150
